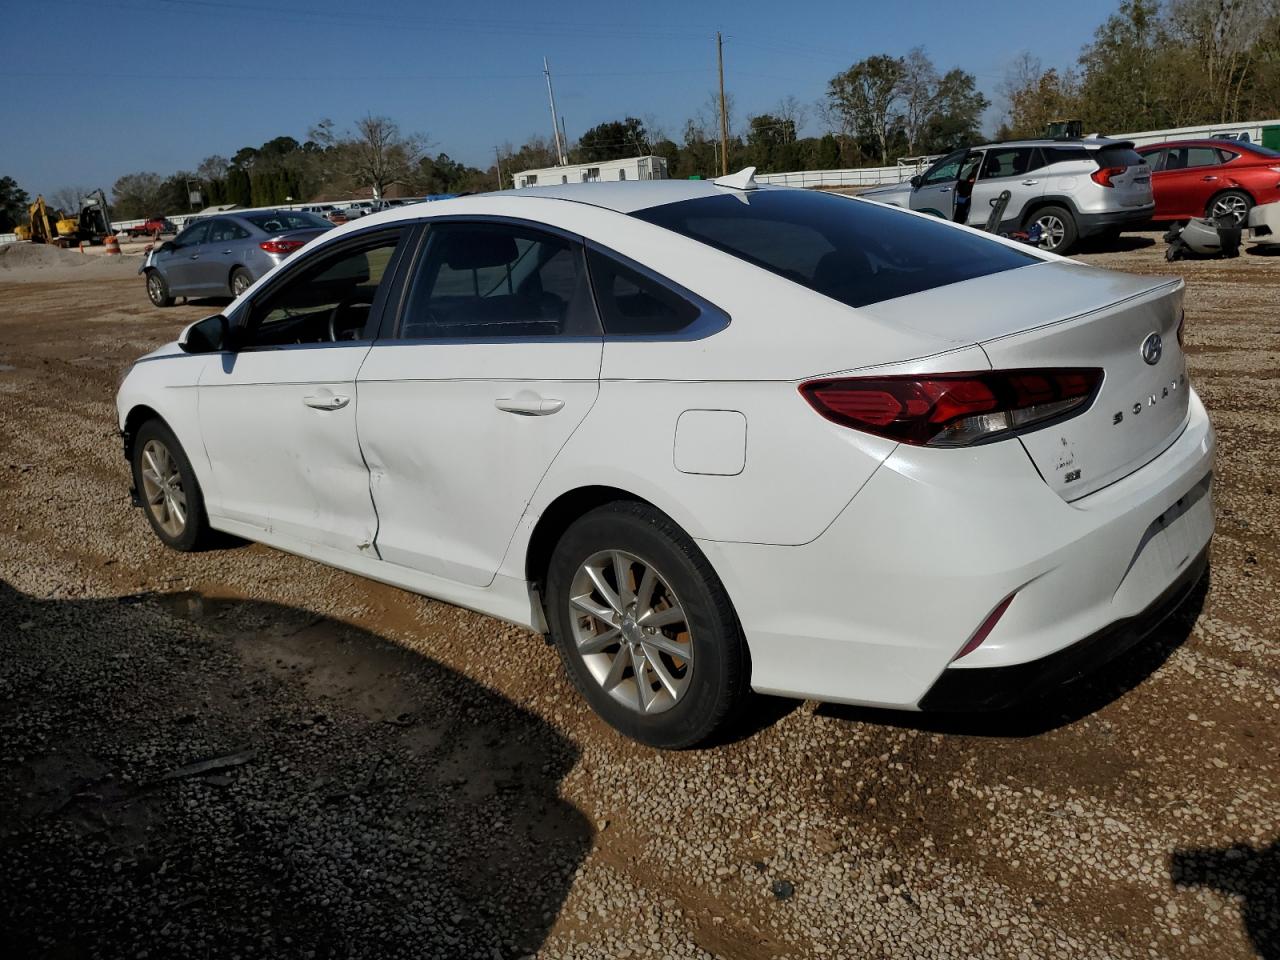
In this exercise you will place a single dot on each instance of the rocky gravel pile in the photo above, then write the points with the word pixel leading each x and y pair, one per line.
pixel 389 776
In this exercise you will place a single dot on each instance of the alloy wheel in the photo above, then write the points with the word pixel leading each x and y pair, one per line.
pixel 162 488
pixel 1052 230
pixel 631 631
pixel 239 284
pixel 154 289
pixel 1233 206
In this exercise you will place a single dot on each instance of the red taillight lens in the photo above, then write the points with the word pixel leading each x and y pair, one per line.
pixel 954 409
pixel 282 246
pixel 1103 176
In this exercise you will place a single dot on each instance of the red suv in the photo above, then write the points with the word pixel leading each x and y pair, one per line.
pixel 1211 178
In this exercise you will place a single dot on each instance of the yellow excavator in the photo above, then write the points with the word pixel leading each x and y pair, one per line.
pixel 46 224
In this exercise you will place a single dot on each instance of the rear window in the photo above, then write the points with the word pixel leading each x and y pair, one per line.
pixel 1265 151
pixel 1118 157
pixel 851 251
pixel 282 220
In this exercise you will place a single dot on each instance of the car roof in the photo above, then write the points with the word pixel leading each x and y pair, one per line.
pixel 1200 142
pixel 1089 143
pixel 623 196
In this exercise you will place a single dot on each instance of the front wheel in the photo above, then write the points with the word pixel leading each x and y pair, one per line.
pixel 644 626
pixel 1233 204
pixel 167 487
pixel 158 290
pixel 1057 228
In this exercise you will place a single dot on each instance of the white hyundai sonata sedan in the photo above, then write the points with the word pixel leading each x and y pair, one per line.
pixel 713 438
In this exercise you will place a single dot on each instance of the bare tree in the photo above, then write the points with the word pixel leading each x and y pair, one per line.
pixel 378 155
pixel 868 97
pixel 792 112
pixel 68 199
pixel 919 92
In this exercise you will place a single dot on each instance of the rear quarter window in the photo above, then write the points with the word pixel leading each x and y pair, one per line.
pixel 852 251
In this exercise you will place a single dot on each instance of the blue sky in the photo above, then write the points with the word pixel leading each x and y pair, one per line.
pixel 177 80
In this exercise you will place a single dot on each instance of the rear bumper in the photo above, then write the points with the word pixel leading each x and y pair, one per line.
pixel 875 610
pixel 998 688
pixel 1089 224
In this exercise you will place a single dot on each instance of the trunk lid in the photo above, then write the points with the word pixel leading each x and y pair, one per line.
pixel 1132 186
pixel 1064 314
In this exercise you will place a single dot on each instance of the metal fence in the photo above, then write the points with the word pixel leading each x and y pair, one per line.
pixel 854 177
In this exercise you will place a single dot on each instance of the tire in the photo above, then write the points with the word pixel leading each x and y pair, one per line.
pixel 163 478
pixel 1233 203
pixel 709 677
pixel 241 280
pixel 158 289
pixel 1058 225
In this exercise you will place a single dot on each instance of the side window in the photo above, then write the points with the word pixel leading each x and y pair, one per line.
pixel 1202 157
pixel 224 231
pixel 328 298
pixel 633 305
pixel 1155 159
pixel 1064 154
pixel 1006 162
pixel 495 280
pixel 1226 156
pixel 945 170
pixel 193 235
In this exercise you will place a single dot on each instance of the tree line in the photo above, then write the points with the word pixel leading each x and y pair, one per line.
pixel 1152 64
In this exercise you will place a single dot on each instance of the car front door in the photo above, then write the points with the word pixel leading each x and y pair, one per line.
pixel 1006 168
pixel 464 405
pixel 278 415
pixel 936 193
pixel 179 263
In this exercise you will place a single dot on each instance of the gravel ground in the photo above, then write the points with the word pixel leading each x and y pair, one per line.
pixel 241 753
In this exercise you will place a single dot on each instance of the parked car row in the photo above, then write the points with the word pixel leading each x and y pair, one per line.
pixel 1087 186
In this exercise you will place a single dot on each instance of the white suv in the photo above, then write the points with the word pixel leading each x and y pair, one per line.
pixel 1072 188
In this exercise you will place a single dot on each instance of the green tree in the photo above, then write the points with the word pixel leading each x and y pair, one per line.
pixel 13 204
pixel 867 99
pixel 956 116
pixel 771 143
pixel 138 195
pixel 612 140
pixel 1035 96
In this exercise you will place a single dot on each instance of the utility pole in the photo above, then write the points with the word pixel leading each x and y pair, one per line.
pixel 724 116
pixel 555 123
pixel 497 157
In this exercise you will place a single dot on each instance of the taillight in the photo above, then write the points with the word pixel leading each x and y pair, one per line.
pixel 282 246
pixel 953 409
pixel 1104 175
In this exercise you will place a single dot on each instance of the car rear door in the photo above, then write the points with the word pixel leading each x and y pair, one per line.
pixel 1006 168
pixel 219 255
pixel 278 415
pixel 493 364
pixel 1187 181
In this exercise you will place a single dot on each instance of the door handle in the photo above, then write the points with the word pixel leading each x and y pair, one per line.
pixel 529 405
pixel 1029 183
pixel 326 403
pixel 945 190
pixel 226 252
pixel 195 256
pixel 1208 178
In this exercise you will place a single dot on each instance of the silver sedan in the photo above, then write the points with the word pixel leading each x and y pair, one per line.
pixel 224 255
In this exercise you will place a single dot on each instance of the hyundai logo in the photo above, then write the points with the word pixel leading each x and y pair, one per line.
pixel 1152 348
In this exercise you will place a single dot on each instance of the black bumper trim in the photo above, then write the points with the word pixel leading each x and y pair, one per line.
pixel 999 688
pixel 1088 224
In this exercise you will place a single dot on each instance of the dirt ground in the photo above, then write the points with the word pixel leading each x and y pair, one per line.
pixel 390 776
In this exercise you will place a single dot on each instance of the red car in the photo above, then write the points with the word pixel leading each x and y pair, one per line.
pixel 1210 178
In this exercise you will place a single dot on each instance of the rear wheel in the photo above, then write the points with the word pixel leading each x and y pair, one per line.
pixel 240 281
pixel 167 487
pixel 1057 228
pixel 158 289
pixel 1230 203
pixel 644 626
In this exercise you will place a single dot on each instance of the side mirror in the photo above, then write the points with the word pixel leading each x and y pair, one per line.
pixel 916 181
pixel 210 335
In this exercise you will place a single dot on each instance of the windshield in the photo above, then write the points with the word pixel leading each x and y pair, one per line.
pixel 279 221
pixel 853 251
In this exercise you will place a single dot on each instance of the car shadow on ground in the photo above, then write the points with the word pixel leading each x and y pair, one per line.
pixel 1249 875
pixel 1123 243
pixel 1061 706
pixel 183 776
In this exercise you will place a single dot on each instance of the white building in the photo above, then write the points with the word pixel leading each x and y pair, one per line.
pixel 632 168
